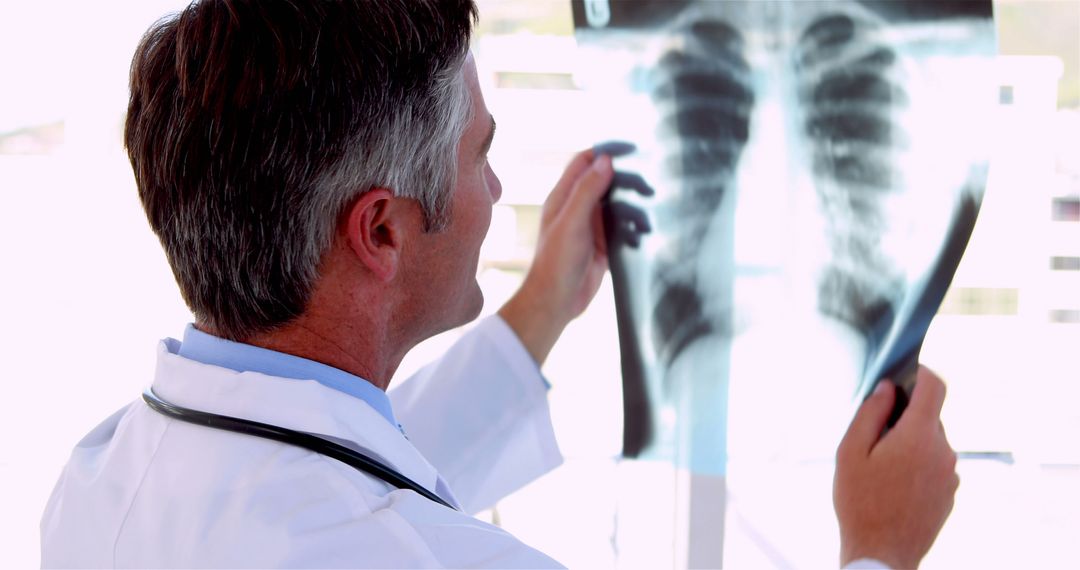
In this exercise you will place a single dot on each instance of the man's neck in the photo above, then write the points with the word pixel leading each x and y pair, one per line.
pixel 351 346
pixel 350 322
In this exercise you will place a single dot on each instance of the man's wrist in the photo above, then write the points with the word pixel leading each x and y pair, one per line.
pixel 536 324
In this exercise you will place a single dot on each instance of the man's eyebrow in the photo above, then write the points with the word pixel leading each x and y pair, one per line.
pixel 490 137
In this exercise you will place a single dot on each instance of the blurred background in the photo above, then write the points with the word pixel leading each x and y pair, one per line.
pixel 87 293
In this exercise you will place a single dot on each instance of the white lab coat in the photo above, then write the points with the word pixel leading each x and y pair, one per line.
pixel 143 490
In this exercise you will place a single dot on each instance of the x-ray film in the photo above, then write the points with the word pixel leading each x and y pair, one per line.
pixel 805 178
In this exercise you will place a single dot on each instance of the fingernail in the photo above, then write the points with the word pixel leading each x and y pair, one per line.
pixel 881 387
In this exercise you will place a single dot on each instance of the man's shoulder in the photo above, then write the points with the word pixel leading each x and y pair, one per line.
pixel 143 490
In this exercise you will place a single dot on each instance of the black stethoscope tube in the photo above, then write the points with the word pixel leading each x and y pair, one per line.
pixel 352 458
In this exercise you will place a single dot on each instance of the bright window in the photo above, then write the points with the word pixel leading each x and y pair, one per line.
pixel 88 293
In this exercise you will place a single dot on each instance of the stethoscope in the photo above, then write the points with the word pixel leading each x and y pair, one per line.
pixel 350 457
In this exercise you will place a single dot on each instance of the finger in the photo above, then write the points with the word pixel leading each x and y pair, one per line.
pixel 599 239
pixel 626 214
pixel 632 181
pixel 583 160
pixel 629 237
pixel 869 422
pixel 628 223
pixel 927 398
pixel 579 164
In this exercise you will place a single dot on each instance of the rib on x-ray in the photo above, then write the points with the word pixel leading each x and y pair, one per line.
pixel 817 166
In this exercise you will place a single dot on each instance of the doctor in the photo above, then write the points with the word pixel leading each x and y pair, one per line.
pixel 317 176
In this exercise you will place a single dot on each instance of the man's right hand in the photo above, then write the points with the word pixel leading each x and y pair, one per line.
pixel 892 493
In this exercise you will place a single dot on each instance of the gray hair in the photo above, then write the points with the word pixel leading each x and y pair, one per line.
pixel 415 158
pixel 253 125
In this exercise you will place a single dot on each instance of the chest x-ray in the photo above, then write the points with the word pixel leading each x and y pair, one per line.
pixel 816 169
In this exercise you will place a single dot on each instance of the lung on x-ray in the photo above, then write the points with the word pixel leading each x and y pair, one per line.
pixel 805 180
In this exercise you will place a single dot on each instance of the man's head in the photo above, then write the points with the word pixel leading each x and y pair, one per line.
pixel 253 127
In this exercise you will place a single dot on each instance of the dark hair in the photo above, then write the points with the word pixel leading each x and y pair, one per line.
pixel 252 124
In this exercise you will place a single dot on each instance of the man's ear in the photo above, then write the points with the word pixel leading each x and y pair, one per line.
pixel 375 226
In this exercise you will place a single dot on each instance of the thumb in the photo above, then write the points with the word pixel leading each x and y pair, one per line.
pixel 869 421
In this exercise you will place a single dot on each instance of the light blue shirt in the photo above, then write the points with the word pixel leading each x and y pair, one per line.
pixel 209 349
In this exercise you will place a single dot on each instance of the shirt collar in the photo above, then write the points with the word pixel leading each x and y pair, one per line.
pixel 215 351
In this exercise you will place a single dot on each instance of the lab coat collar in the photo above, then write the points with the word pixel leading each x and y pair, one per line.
pixel 301 405
pixel 210 349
